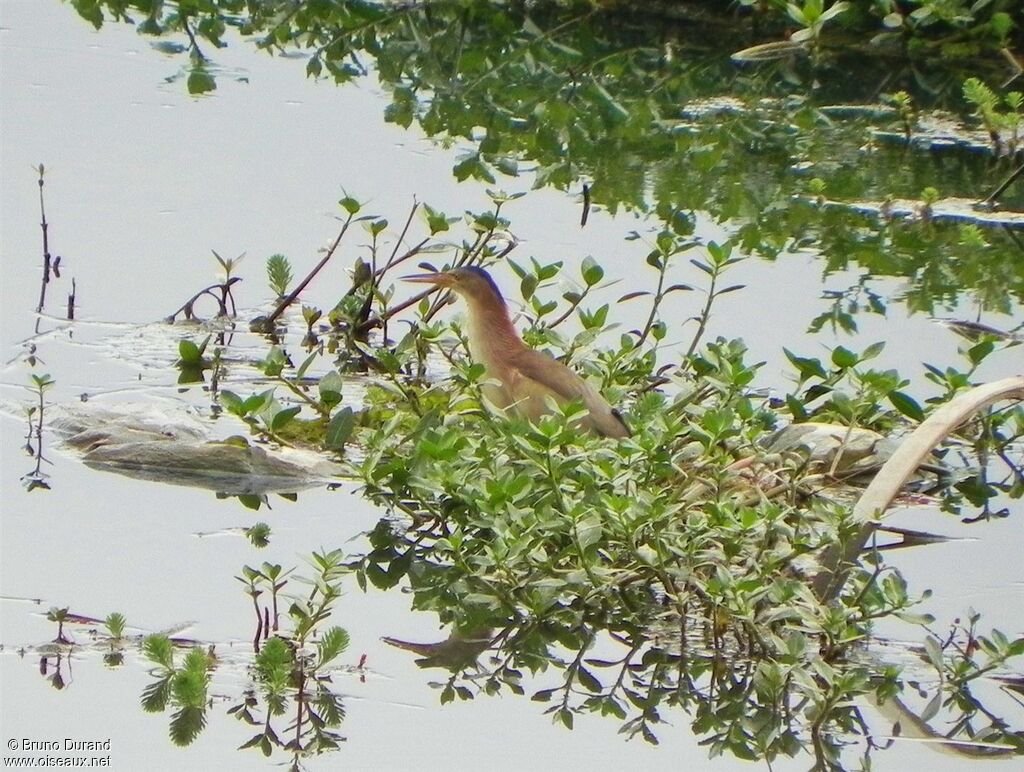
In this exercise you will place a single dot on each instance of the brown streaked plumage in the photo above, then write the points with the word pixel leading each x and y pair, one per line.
pixel 526 378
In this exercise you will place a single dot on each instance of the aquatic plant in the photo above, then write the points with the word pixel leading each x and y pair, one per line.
pixel 279 274
pixel 37 478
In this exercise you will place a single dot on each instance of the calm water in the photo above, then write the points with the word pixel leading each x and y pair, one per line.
pixel 142 181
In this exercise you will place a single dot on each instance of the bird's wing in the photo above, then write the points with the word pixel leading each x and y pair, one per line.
pixel 548 375
pixel 538 375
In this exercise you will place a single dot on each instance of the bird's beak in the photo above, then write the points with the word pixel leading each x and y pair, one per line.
pixel 439 279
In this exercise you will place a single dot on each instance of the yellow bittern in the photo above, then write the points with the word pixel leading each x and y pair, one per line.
pixel 522 380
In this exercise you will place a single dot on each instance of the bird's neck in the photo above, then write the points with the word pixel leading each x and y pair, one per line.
pixel 492 336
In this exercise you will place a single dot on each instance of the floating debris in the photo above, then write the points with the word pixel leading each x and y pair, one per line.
pixel 174 448
pixel 976 331
pixel 770 52
pixel 946 209
pixel 939 130
pixel 874 111
pixel 712 106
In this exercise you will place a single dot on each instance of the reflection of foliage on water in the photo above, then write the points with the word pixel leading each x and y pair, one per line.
pixel 629 107
pixel 289 693
pixel 290 673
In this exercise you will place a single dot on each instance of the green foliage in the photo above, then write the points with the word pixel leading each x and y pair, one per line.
pixel 279 274
pixel 191 355
pixel 41 382
pixel 1001 115
pixel 159 650
pixel 551 536
pixel 258 534
pixel 333 642
pixel 115 624
pixel 340 429
pixel 227 264
pixel 243 408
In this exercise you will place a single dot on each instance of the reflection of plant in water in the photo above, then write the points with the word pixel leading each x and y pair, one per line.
pixel 258 534
pixel 182 686
pixel 812 15
pixel 290 670
pixel 962 658
pixel 573 96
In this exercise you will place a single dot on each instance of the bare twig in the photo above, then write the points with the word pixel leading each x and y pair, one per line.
pixel 222 301
pixel 71 300
pixel 267 323
pixel 47 259
pixel 1004 185
pixel 401 237
pixel 837 559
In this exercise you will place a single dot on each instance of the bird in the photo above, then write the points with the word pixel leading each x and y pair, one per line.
pixel 521 378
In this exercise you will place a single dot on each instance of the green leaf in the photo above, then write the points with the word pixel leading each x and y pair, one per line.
pixel 906 405
pixel 159 650
pixel 933 649
pixel 305 364
pixel 332 643
pixel 231 402
pixel 591 271
pixel 200 81
pixel 979 351
pixel 189 352
pixel 257 403
pixel 796 408
pixel 330 388
pixel 340 429
pixel 843 357
pixel 807 367
pixel 588 681
pixel 283 417
pixel 872 351
pixel 279 274
pixel 565 716
pixel 156 695
pixel 589 531
pixel 115 624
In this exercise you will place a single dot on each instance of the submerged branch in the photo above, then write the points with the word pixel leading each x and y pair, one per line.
pixel 871 506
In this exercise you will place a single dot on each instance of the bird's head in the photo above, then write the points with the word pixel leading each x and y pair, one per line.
pixel 471 282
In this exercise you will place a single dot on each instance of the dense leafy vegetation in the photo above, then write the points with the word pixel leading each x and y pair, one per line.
pixel 688 548
pixel 670 570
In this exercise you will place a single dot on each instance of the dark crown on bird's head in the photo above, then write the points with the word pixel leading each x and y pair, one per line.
pixel 480 272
